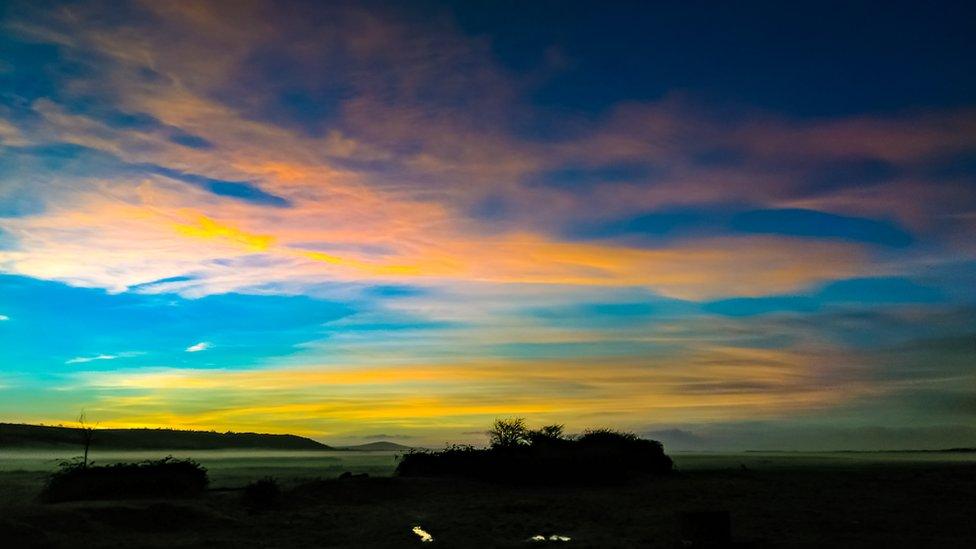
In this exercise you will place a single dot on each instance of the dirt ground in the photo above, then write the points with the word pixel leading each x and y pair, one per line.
pixel 897 505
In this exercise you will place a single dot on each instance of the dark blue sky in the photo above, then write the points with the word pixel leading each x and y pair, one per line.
pixel 800 58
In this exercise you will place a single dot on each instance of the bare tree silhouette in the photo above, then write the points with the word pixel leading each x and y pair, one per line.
pixel 87 434
pixel 508 433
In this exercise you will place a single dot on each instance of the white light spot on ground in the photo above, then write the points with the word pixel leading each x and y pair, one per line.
pixel 554 537
pixel 424 536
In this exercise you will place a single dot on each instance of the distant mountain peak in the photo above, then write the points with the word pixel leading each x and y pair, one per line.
pixel 378 446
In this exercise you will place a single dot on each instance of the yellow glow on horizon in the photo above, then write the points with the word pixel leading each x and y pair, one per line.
pixel 716 384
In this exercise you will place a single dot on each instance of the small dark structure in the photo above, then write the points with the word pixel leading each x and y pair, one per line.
pixel 167 477
pixel 349 475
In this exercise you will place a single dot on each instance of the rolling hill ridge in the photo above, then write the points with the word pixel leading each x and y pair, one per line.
pixel 22 436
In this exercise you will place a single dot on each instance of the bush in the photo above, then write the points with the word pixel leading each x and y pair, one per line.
pixel 546 457
pixel 624 451
pixel 453 460
pixel 546 434
pixel 262 494
pixel 167 477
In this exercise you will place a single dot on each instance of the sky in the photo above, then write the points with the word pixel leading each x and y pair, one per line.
pixel 722 226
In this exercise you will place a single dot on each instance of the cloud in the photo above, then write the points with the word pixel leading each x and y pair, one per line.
pixel 223 256
pixel 204 227
pixel 386 436
pixel 83 359
pixel 862 292
pixel 4 317
pixel 807 223
pixel 196 348
pixel 238 189
pixel 711 220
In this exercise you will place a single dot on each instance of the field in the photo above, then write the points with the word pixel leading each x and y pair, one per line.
pixel 775 500
pixel 227 468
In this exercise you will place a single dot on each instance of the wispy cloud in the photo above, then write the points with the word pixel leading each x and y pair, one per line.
pixel 84 359
pixel 4 317
pixel 202 346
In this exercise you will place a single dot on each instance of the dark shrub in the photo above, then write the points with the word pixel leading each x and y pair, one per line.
pixel 546 457
pixel 262 494
pixel 623 452
pixel 607 436
pixel 455 460
pixel 167 477
pixel 546 435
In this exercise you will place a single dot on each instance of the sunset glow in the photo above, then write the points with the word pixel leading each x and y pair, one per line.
pixel 352 222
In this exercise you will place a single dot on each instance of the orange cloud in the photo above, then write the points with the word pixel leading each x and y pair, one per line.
pixel 206 228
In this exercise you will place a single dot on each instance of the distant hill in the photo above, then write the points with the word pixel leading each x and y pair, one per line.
pixel 382 446
pixel 14 435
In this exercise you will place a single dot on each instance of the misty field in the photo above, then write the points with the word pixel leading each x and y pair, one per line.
pixel 775 500
pixel 227 468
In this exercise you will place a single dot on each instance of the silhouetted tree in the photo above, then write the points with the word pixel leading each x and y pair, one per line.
pixel 508 433
pixel 87 434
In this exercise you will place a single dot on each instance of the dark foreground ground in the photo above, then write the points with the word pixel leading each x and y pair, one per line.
pixel 895 505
